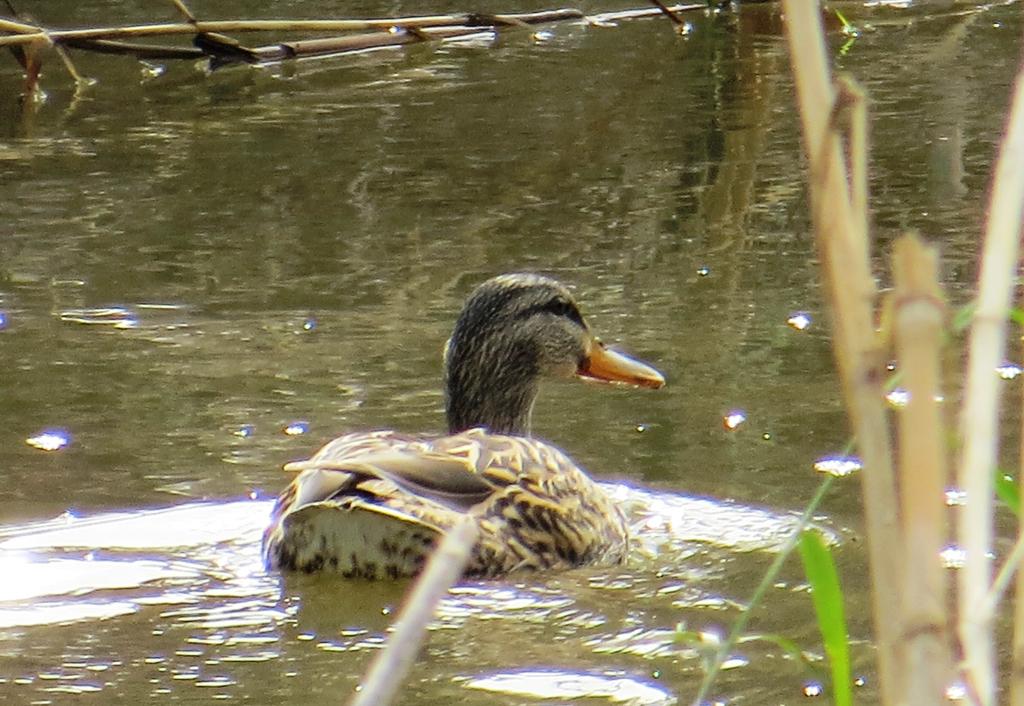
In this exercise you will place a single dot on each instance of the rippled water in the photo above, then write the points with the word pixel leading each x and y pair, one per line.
pixel 212 610
pixel 205 276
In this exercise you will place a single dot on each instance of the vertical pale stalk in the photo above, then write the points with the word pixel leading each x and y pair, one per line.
pixel 918 323
pixel 843 247
pixel 390 666
pixel 981 406
pixel 1017 665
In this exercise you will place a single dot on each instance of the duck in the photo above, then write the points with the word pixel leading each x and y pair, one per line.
pixel 374 505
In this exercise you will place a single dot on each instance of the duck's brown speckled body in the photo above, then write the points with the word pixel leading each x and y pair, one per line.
pixel 373 505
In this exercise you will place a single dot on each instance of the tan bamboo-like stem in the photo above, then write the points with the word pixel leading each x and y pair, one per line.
pixel 390 666
pixel 843 247
pixel 981 406
pixel 918 322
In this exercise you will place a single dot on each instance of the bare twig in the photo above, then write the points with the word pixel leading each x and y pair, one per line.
pixel 667 11
pixel 80 80
pixel 981 405
pixel 183 9
pixel 442 571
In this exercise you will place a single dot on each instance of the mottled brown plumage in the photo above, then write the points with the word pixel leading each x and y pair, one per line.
pixel 373 505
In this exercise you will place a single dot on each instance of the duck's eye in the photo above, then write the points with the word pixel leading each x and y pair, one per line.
pixel 563 307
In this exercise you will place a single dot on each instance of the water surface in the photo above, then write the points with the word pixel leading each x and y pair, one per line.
pixel 191 264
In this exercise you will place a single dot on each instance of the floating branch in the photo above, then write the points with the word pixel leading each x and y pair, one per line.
pixel 211 41
pixel 26 34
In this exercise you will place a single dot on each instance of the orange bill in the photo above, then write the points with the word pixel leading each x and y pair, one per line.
pixel 611 366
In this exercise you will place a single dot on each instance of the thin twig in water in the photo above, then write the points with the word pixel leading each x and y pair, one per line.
pixel 667 11
pixel 183 9
pixel 442 571
pixel 80 81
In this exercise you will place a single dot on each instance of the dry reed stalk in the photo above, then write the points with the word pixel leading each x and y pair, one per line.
pixel 918 325
pixel 844 253
pixel 18 27
pixel 979 424
pixel 390 666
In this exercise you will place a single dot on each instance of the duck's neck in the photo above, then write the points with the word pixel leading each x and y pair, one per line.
pixel 497 394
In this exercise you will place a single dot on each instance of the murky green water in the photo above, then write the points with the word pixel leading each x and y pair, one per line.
pixel 190 264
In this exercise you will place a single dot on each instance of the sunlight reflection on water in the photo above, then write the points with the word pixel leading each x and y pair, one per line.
pixel 204 559
pixel 546 684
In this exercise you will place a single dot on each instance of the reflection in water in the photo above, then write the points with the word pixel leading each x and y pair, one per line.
pixel 616 689
pixel 49 440
pixel 184 553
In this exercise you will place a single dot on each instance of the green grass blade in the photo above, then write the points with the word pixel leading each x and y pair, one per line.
pixel 828 606
pixel 762 588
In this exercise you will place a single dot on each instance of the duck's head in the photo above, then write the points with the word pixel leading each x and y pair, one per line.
pixel 513 330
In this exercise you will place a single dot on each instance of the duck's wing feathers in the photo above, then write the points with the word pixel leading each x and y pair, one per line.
pixel 444 479
pixel 457 471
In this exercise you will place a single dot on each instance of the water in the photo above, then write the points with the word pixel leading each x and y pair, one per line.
pixel 203 277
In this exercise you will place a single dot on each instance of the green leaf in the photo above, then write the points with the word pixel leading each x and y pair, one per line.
pixel 963 317
pixel 1017 316
pixel 820 570
pixel 1008 492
